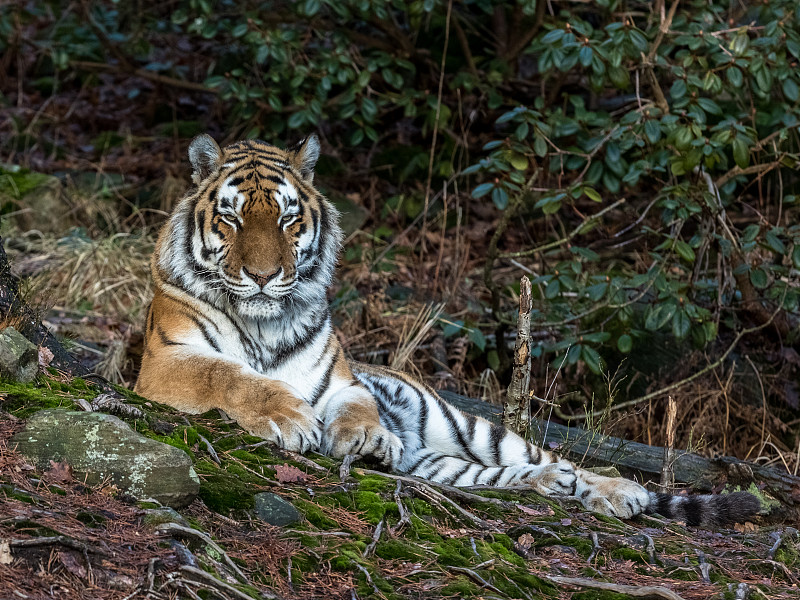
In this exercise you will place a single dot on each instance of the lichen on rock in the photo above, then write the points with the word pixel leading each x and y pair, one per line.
pixel 100 446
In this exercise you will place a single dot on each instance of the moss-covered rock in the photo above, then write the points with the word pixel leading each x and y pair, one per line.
pixel 274 510
pixel 100 447
pixel 19 359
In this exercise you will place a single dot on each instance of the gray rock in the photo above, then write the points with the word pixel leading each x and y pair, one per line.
pixel 100 446
pixel 19 359
pixel 274 510
pixel 153 517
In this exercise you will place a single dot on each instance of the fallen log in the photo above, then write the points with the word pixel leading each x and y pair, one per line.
pixel 595 449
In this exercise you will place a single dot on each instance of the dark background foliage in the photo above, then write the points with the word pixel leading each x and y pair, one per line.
pixel 638 160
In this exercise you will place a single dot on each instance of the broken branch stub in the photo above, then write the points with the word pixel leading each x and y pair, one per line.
pixel 516 410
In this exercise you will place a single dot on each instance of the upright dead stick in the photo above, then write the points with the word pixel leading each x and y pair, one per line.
pixel 516 413
pixel 667 475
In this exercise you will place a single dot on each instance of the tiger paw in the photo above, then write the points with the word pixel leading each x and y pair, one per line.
pixel 613 496
pixel 555 479
pixel 294 428
pixel 365 440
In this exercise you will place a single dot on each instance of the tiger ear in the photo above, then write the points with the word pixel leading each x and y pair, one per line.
pixel 304 156
pixel 205 156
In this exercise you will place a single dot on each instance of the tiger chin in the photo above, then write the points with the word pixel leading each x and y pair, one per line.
pixel 240 321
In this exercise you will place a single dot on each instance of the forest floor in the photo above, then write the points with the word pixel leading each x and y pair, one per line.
pixel 361 533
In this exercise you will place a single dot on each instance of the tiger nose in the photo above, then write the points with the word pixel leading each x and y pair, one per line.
pixel 260 278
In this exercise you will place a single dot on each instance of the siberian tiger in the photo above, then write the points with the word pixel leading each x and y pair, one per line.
pixel 240 321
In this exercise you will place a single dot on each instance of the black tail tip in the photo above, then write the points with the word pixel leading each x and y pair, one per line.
pixel 707 510
pixel 736 507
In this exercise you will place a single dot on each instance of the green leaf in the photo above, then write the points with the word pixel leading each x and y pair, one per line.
pixel 708 105
pixel 625 343
pixel 482 190
pixel 734 76
pixel 540 146
pixel 518 161
pixel 652 318
pixel 596 291
pixel 553 36
pixel 667 312
pixel 592 194
pixel 790 89
pixel 597 338
pixel 493 360
pixel 758 277
pixel 750 232
pixel 684 250
pixel 678 89
pixel 500 198
pixel 239 30
pixel 681 324
pixel 573 354
pixel 592 359
pixel 774 242
pixel 710 331
pixel 296 120
pixel 652 129
pixel 741 154
pixel 552 290
pixel 585 56
pixel 796 256
pixel 551 208
pixel 476 337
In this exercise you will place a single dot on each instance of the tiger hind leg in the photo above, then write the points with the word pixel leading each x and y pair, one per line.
pixel 553 479
pixel 617 497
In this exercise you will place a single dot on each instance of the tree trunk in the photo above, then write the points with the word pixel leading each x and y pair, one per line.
pixel 14 311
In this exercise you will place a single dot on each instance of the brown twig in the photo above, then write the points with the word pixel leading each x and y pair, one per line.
pixel 62 540
pixel 188 531
pixel 404 518
pixel 667 474
pixel 583 227
pixel 347 462
pixel 475 577
pixel 736 171
pixel 516 409
pixel 370 549
pixel 646 591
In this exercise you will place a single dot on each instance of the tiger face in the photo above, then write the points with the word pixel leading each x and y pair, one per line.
pixel 261 234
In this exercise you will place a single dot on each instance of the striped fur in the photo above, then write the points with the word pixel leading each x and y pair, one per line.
pixel 240 321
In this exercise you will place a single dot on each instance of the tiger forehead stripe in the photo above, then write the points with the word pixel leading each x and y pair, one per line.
pixel 229 194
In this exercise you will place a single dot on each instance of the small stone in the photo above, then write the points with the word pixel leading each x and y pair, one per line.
pixel 153 517
pixel 19 359
pixel 101 447
pixel 274 510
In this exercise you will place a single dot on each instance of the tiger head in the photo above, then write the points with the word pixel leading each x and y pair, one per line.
pixel 257 233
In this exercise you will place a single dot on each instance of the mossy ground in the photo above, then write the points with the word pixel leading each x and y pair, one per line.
pixel 437 552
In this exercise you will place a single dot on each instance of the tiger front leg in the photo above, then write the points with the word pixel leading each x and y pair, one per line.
pixel 265 407
pixel 352 426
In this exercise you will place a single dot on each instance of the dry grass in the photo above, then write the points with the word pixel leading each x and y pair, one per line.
pixel 110 276
pixel 414 333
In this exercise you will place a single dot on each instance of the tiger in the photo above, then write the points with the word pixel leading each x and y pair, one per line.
pixel 240 321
